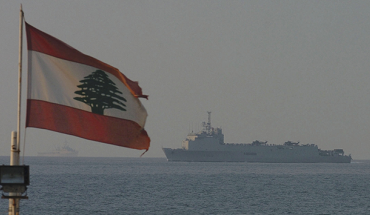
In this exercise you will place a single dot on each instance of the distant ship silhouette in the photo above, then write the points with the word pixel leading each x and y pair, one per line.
pixel 64 151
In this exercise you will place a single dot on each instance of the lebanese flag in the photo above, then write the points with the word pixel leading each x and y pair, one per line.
pixel 72 93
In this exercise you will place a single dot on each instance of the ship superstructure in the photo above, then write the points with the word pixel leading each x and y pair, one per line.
pixel 208 145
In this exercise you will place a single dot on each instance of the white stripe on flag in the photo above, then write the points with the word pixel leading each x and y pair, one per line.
pixel 55 80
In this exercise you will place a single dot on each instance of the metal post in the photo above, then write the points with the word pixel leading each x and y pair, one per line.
pixel 14 151
pixel 14 161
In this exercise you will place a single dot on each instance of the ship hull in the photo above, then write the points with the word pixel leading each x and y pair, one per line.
pixel 283 156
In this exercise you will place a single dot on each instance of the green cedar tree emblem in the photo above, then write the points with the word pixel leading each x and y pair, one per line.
pixel 99 92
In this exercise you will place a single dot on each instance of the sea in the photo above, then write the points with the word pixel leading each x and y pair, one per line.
pixel 87 185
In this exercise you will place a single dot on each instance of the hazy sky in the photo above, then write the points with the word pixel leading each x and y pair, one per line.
pixel 268 70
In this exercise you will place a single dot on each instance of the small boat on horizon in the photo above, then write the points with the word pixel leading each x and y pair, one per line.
pixel 64 151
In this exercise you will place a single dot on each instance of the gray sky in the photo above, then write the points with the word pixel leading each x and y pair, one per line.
pixel 268 70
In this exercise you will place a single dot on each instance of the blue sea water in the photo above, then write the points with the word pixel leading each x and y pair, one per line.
pixel 154 186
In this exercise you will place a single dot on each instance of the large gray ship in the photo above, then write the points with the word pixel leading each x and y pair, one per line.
pixel 208 146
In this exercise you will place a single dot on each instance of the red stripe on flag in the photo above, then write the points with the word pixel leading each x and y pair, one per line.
pixel 42 42
pixel 87 125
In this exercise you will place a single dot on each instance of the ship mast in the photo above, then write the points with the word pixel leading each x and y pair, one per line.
pixel 208 128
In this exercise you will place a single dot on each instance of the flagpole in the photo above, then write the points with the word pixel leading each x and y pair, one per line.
pixel 15 143
pixel 20 78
